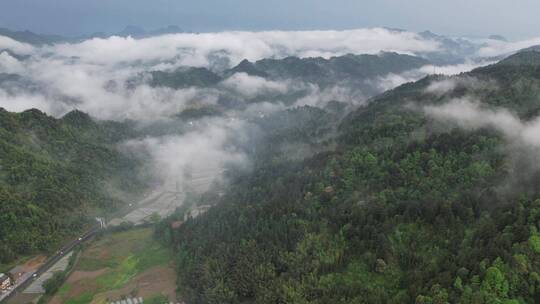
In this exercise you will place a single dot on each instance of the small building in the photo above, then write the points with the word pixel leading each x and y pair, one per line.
pixel 5 281
pixel 17 273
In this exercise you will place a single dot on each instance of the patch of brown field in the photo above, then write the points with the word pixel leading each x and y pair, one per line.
pixel 99 253
pixel 34 263
pixel 103 254
pixel 80 275
pixel 156 280
pixel 23 298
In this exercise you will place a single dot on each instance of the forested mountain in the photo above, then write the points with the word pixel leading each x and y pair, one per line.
pixel 342 70
pixel 347 68
pixel 55 174
pixel 410 199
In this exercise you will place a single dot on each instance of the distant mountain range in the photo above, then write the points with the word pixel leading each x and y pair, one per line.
pixel 42 39
pixel 137 32
pixel 31 37
pixel 325 71
pixel 348 70
pixel 452 50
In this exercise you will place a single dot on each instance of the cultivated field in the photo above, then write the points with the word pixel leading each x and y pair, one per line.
pixel 120 265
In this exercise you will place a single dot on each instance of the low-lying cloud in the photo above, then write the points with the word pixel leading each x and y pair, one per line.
pixel 447 85
pixel 7 43
pixel 194 160
pixel 253 86
pixel 494 48
pixel 473 115
pixel 9 64
pixel 392 80
pixel 95 76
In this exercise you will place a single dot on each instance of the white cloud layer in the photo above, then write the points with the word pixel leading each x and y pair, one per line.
pixel 9 64
pixel 195 49
pixel 494 48
pixel 92 76
pixel 195 159
pixel 392 80
pixel 7 43
pixel 447 85
pixel 252 86
pixel 472 115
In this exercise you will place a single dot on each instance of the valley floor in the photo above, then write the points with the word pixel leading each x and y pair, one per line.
pixel 127 264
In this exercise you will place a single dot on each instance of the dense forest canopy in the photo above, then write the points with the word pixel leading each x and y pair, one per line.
pixel 404 201
pixel 55 174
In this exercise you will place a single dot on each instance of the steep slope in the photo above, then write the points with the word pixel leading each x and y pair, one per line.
pixel 407 208
pixel 55 174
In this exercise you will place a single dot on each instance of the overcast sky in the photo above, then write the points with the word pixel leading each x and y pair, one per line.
pixel 513 19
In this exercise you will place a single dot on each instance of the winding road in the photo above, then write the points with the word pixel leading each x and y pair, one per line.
pixel 50 262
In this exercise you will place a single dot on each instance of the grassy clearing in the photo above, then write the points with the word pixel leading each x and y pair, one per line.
pixel 120 276
pixel 112 250
pixel 64 289
pixel 92 264
pixel 81 299
pixel 125 254
pixel 157 299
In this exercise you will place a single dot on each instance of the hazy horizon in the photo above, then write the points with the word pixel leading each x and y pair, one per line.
pixel 69 18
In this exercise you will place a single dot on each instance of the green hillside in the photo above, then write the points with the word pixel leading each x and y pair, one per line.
pixel 394 207
pixel 55 174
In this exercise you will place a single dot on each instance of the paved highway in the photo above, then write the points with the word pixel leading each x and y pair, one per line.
pixel 51 261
